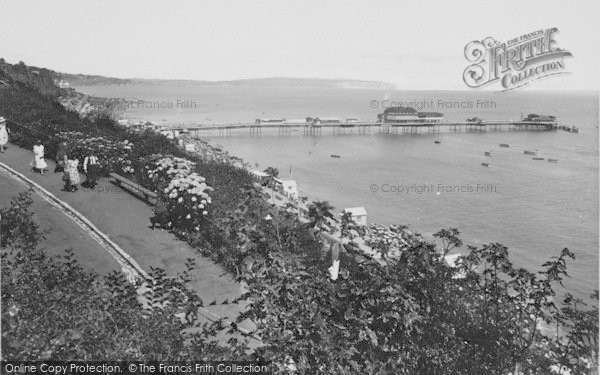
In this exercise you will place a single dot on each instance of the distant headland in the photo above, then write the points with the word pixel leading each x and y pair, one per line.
pixel 68 80
pixel 284 82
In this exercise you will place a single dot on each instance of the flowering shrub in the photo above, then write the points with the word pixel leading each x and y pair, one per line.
pixel 185 192
pixel 161 171
pixel 390 241
pixel 112 155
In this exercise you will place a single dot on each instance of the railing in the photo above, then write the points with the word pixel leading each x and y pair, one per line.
pixel 358 124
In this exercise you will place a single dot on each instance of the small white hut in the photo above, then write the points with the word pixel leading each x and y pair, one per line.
pixel 359 215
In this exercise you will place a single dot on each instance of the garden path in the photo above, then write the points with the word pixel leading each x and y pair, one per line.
pixel 125 219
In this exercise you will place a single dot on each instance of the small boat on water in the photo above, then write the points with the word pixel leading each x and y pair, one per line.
pixel 504 145
pixel 437 142
pixel 486 164
pixel 335 156
pixel 487 153
pixel 530 152
pixel 538 158
pixel 553 160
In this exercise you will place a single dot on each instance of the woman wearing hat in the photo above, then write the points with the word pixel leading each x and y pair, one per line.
pixel 39 162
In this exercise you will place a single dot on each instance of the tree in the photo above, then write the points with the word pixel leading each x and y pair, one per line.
pixel 319 212
pixel 347 225
pixel 450 239
pixel 273 172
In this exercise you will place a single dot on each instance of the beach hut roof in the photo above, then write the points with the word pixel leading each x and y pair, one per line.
pixel 452 259
pixel 259 173
pixel 356 211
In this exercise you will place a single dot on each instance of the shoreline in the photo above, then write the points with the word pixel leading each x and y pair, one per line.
pixel 401 235
pixel 520 246
pixel 398 234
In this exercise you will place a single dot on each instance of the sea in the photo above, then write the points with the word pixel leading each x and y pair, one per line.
pixel 534 207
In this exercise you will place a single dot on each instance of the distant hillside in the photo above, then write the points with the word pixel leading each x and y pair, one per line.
pixel 43 81
pixel 90 80
pixel 310 82
pixel 50 76
pixel 261 82
pixel 94 80
pixel 44 78
pixel 38 78
pixel 84 80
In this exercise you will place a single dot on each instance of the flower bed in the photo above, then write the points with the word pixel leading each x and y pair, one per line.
pixel 184 192
pixel 112 155
pixel 162 170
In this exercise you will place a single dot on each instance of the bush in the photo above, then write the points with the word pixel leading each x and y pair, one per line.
pixel 17 227
pixel 112 154
pixel 54 309
pixel 417 315
pixel 185 192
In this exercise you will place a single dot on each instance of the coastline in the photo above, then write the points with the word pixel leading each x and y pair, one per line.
pixel 396 236
pixel 324 239
pixel 427 213
pixel 519 245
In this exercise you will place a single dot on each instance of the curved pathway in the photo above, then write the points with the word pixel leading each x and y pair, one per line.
pixel 128 265
pixel 115 221
pixel 61 232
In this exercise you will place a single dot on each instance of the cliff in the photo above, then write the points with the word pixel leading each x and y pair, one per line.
pixel 44 81
pixel 90 107
pixel 38 78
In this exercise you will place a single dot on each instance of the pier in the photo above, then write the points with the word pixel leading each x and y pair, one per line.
pixel 377 127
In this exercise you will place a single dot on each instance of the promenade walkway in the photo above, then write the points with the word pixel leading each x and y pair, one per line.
pixel 60 231
pixel 125 220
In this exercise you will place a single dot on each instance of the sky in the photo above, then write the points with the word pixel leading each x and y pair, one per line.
pixel 414 44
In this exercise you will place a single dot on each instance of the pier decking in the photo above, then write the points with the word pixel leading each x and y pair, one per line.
pixel 387 128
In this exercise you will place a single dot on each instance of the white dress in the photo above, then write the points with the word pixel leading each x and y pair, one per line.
pixel 3 135
pixel 38 157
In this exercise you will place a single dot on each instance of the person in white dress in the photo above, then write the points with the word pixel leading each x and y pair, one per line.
pixel 3 134
pixel 39 162
pixel 71 176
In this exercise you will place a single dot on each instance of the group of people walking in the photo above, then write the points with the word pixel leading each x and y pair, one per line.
pixel 68 166
pixel 70 169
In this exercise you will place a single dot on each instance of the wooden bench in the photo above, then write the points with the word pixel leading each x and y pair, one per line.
pixel 138 190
